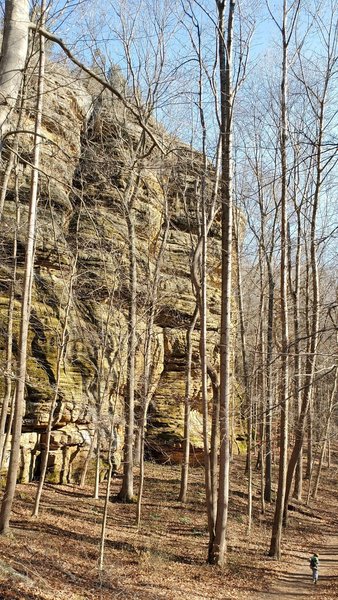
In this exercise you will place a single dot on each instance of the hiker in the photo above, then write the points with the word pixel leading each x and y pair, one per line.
pixel 314 564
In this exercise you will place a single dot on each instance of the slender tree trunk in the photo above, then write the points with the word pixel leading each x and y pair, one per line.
pixel 106 500
pixel 8 498
pixel 214 445
pixel 60 363
pixel 87 460
pixel 269 391
pixel 148 357
pixel 127 490
pixel 276 538
pixel 310 364
pixel 96 490
pixel 202 303
pixel 261 452
pixel 199 280
pixel 218 549
pixel 187 407
pixel 248 398
pixel 126 493
pixel 308 342
pixel 295 292
pixel 262 382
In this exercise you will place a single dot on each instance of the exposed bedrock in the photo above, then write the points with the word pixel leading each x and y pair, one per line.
pixel 81 291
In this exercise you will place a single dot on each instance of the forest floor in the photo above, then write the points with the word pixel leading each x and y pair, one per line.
pixel 55 557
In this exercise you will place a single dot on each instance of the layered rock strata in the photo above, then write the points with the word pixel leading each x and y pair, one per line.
pixel 100 180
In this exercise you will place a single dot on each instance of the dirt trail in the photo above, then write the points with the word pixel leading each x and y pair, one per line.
pixel 298 584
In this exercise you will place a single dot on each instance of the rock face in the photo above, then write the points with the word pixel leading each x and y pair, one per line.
pixel 95 191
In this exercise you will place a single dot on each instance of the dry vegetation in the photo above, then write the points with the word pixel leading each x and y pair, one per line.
pixel 55 557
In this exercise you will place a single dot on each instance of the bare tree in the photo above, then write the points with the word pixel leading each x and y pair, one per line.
pixel 317 96
pixel 286 31
pixel 218 544
pixel 7 501
pixel 149 349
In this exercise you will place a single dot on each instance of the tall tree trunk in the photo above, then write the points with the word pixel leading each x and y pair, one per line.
pixel 218 549
pixel 276 538
pixel 262 375
pixel 247 390
pixel 8 498
pixel 126 493
pixel 295 294
pixel 202 304
pixel 308 470
pixel 269 385
pixel 148 357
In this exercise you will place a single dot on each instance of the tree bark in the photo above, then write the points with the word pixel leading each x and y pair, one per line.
pixel 148 354
pixel 106 500
pixel 186 427
pixel 126 493
pixel 218 549
pixel 13 56
pixel 247 387
pixel 276 538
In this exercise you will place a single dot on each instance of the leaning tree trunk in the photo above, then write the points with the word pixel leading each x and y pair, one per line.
pixel 8 498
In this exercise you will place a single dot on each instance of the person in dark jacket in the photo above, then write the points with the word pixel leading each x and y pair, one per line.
pixel 314 565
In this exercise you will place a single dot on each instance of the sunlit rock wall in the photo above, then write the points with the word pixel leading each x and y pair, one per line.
pixel 81 286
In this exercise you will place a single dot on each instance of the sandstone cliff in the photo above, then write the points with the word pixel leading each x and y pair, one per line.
pixel 82 249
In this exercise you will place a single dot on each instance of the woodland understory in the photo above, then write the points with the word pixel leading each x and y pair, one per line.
pixel 57 556
pixel 168 292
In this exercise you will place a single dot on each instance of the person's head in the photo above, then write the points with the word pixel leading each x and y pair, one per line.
pixel 315 554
